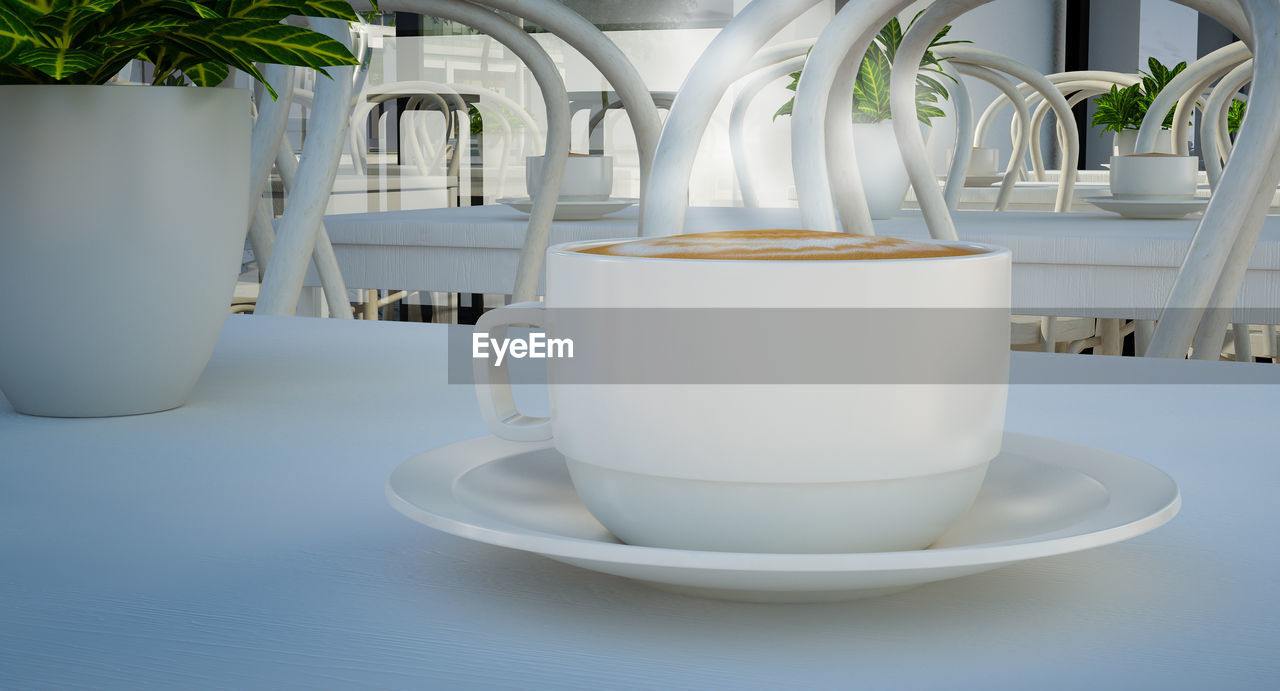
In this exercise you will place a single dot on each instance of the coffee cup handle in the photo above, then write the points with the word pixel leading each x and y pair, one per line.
pixel 493 382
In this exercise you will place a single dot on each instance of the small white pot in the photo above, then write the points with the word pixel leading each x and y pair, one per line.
pixel 884 175
pixel 1153 176
pixel 984 161
pixel 124 214
pixel 586 178
pixel 1126 143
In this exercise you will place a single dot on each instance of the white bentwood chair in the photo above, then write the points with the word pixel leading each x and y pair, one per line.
pixel 1208 282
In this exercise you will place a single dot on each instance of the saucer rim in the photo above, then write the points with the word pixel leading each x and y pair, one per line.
pixel 563 547
pixel 1107 198
pixel 509 201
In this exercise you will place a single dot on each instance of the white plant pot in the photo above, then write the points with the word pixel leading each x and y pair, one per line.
pixel 1126 143
pixel 124 213
pixel 884 175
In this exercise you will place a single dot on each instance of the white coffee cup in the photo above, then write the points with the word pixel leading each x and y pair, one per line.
pixel 984 161
pixel 1153 176
pixel 586 178
pixel 801 468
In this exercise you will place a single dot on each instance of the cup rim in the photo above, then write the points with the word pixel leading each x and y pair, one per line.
pixel 591 156
pixel 570 249
pixel 1155 155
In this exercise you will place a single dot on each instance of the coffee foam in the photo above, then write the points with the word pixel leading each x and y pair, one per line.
pixel 774 245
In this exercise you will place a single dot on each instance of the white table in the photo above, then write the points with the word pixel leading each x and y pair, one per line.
pixel 243 541
pixel 1076 264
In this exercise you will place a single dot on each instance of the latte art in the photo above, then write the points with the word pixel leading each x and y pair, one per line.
pixel 774 245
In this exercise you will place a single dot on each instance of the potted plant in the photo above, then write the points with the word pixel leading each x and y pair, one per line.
pixel 124 206
pixel 1122 110
pixel 884 175
pixel 1235 116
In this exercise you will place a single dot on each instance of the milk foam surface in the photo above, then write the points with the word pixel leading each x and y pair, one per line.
pixel 774 245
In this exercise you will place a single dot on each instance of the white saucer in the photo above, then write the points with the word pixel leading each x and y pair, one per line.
pixel 1148 208
pixel 982 180
pixel 978 180
pixel 573 210
pixel 1042 497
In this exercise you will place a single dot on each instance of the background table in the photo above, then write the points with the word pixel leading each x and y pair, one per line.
pixel 1075 264
pixel 244 541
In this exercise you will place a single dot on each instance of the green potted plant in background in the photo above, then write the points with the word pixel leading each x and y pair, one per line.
pixel 884 176
pixel 1122 110
pixel 124 207
pixel 1235 116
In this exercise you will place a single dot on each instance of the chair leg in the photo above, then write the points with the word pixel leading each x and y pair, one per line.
pixel 1244 349
pixel 1112 341
pixel 1142 330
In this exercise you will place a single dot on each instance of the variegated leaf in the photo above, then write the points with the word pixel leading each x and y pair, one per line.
pixel 183 42
pixel 59 63
pixel 254 40
pixel 210 73
pixel 61 27
pixel 925 113
pixel 13 73
pixel 276 10
pixel 890 37
pixel 15 34
pixel 785 109
pixel 142 28
pixel 34 9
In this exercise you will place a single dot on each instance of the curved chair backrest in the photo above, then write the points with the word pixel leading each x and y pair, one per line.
pixel 423 154
pixel 1217 258
pixel 598 49
pixel 1020 143
pixel 605 55
pixel 1215 136
pixel 1210 278
pixel 725 59
pixel 1067 83
pixel 752 85
pixel 1183 91
pixel 1052 96
pixel 299 233
pixel 297 237
pixel 445 95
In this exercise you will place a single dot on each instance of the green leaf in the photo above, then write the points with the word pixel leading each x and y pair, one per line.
pixel 59 62
pixel 926 113
pixel 204 12
pixel 785 109
pixel 1120 109
pixel 252 40
pixel 59 28
pixel 104 72
pixel 871 90
pixel 13 73
pixel 276 10
pixel 1235 116
pixel 143 28
pixel 15 34
pixel 929 85
pixel 34 9
pixel 890 37
pixel 210 73
pixel 178 44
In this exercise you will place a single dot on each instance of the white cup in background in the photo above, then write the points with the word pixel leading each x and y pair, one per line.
pixel 586 178
pixel 984 161
pixel 1153 176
